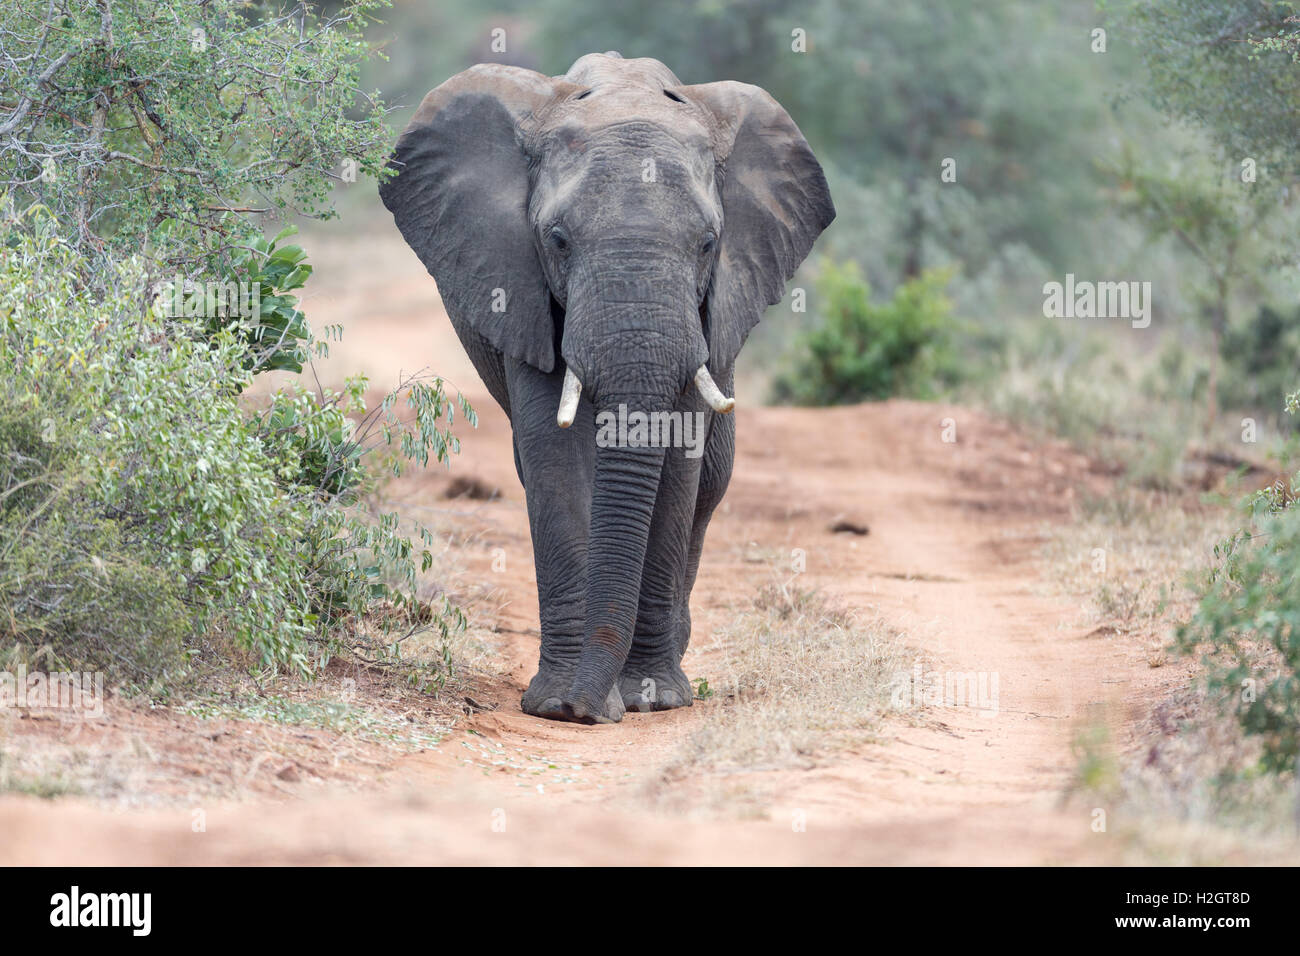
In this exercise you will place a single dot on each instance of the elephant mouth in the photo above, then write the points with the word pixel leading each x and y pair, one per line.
pixel 571 392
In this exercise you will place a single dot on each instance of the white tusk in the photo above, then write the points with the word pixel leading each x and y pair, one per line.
pixel 712 394
pixel 569 396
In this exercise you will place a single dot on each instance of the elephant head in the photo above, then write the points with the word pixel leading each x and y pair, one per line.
pixel 624 226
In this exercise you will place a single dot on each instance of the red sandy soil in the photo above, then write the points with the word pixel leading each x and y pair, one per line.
pixel 951 560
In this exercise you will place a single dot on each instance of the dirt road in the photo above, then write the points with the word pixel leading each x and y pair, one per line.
pixel 949 557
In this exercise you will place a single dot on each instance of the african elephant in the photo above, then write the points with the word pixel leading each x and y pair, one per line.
pixel 603 242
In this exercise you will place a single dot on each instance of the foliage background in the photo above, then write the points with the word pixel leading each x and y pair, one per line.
pixel 1114 162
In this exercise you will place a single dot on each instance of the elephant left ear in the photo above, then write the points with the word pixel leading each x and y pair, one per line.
pixel 775 203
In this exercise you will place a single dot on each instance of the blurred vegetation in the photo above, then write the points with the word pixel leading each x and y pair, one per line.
pixel 1227 68
pixel 1233 73
pixel 1115 157
pixel 1259 355
pixel 863 350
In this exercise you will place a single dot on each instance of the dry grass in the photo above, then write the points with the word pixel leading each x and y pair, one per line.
pixel 1184 790
pixel 341 728
pixel 235 741
pixel 795 675
pixel 41 773
pixel 1180 788
pixel 1133 557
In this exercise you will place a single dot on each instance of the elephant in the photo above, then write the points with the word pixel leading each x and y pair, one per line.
pixel 603 242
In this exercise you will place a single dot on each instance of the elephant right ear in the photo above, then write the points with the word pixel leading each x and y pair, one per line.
pixel 775 203
pixel 460 199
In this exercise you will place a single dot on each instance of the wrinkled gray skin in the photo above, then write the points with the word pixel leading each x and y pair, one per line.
pixel 632 229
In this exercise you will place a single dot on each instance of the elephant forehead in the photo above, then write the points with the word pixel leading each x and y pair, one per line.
pixel 622 122
pixel 621 91
pixel 634 151
pixel 599 68
pixel 611 105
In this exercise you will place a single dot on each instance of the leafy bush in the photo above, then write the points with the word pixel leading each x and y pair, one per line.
pixel 148 515
pixel 1248 620
pixel 264 273
pixel 145 511
pixel 159 128
pixel 862 350
pixel 75 585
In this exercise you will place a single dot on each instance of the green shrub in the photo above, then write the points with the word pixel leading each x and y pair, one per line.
pixel 149 518
pixel 147 515
pixel 278 340
pixel 1248 620
pixel 862 350
pixel 75 585
pixel 161 128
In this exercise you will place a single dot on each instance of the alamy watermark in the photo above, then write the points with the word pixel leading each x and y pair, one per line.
pixel 131 911
pixel 917 688
pixel 65 690
pixel 209 299
pixel 1084 299
pixel 624 429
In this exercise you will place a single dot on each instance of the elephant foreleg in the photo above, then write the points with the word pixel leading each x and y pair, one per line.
pixel 652 677
pixel 556 468
pixel 715 476
pixel 690 490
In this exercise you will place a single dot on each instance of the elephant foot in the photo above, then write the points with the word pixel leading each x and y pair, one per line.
pixel 654 685
pixel 550 695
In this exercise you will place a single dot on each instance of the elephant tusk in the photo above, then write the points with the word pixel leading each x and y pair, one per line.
pixel 712 394
pixel 569 396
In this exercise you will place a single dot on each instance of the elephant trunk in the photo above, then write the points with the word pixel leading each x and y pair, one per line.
pixel 632 342
pixel 622 504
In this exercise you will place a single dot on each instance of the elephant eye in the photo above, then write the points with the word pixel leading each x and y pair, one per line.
pixel 706 247
pixel 559 241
